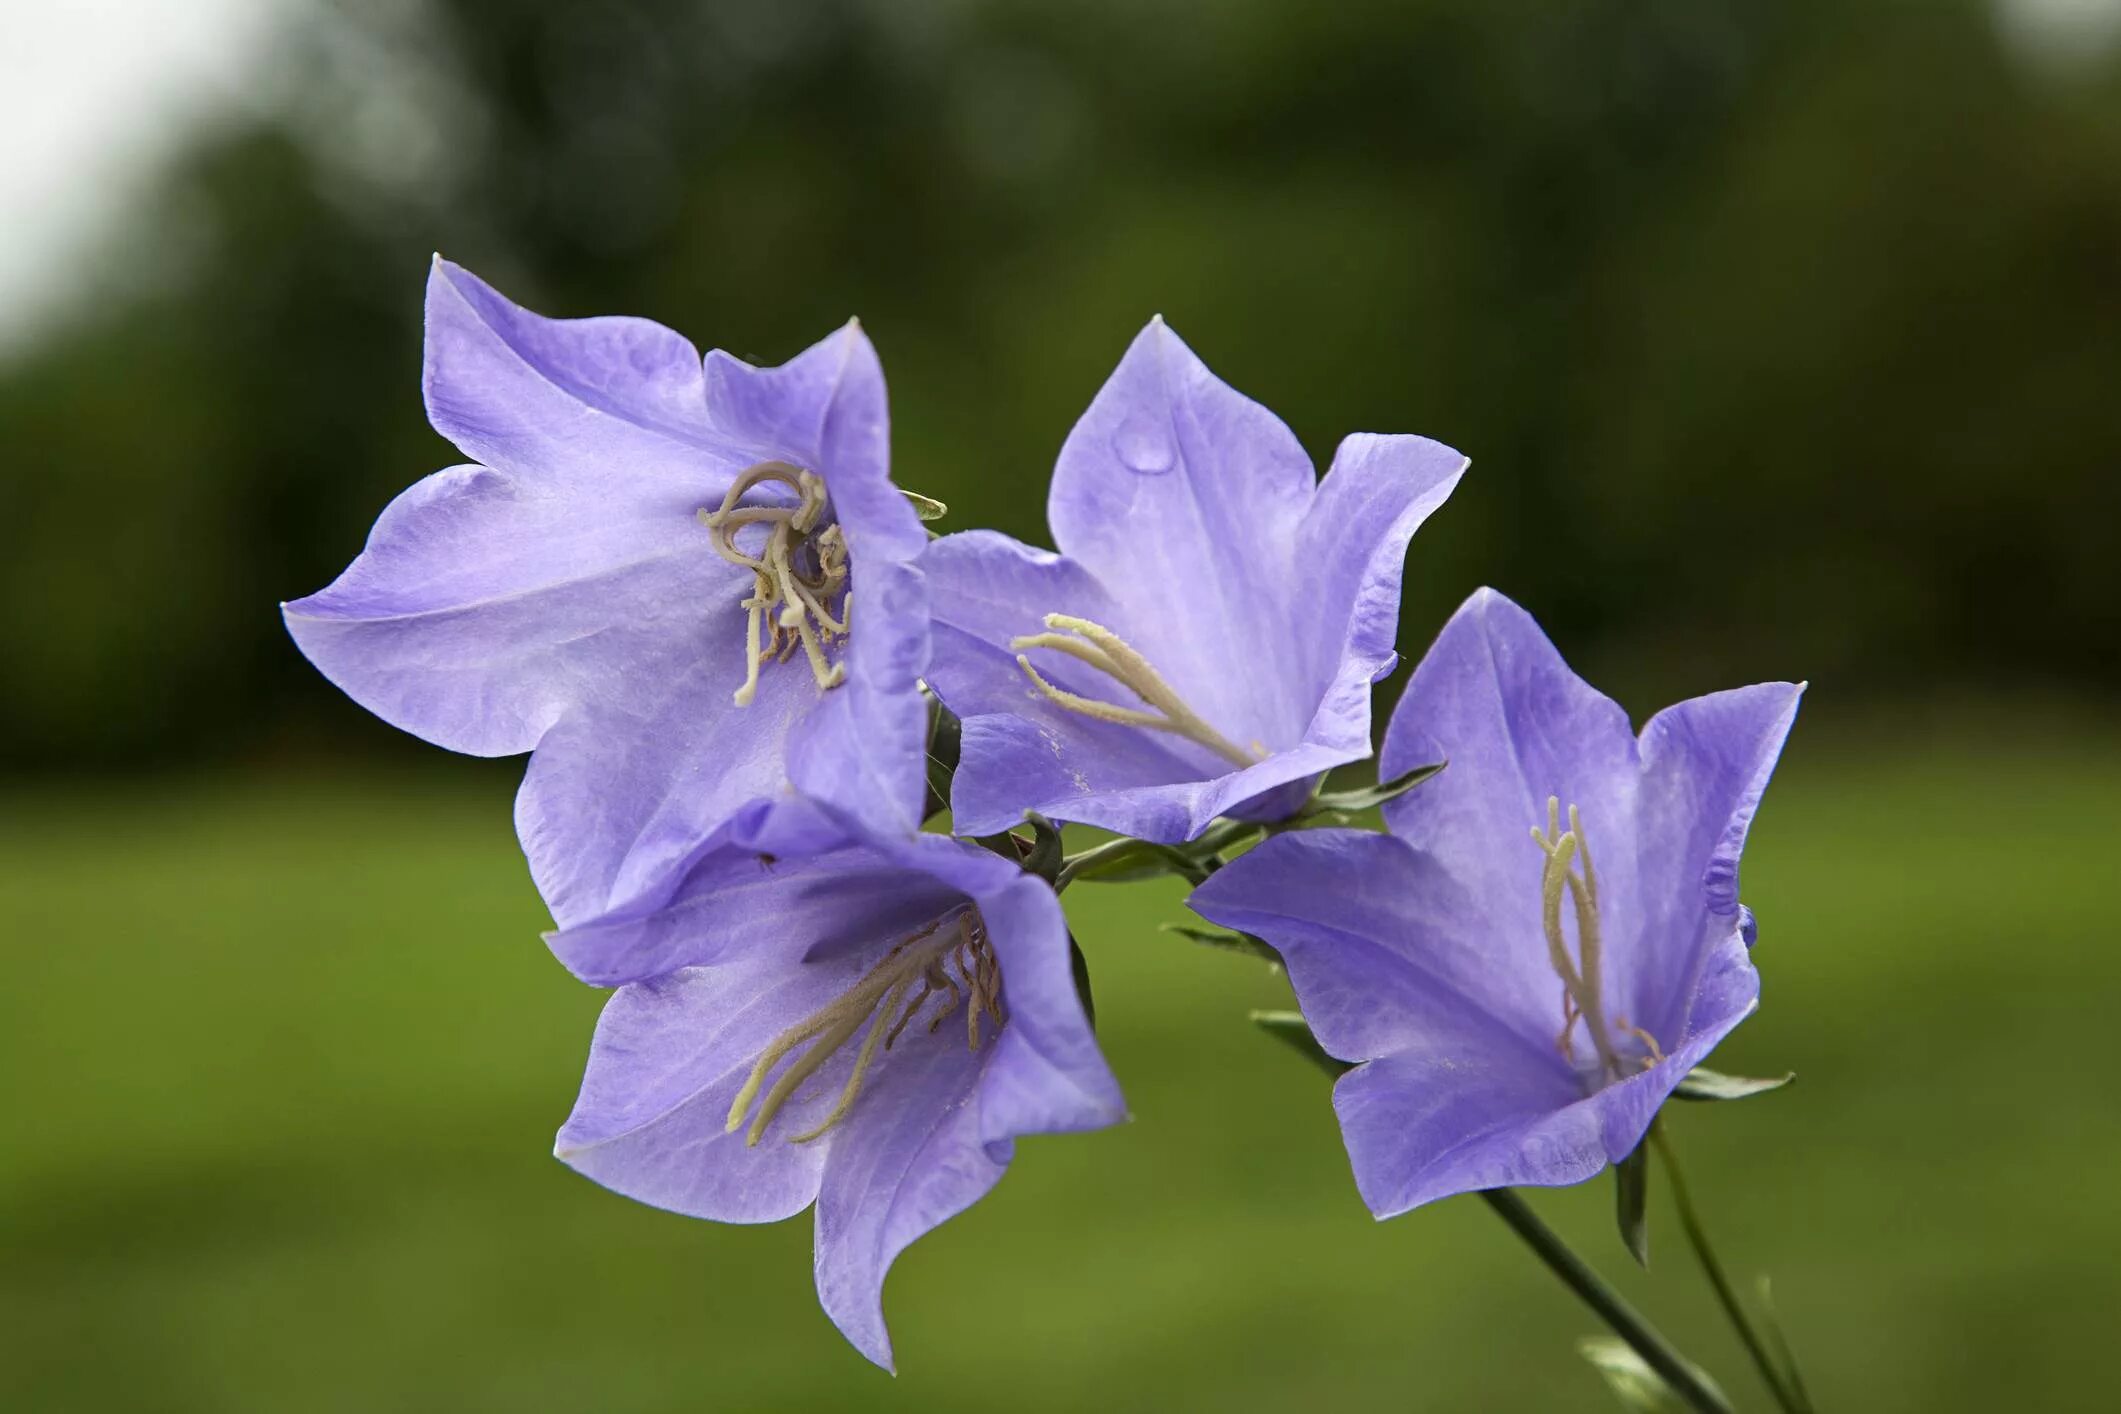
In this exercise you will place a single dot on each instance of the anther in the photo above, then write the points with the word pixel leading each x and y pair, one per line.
pixel 795 576
pixel 881 994
pixel 1106 651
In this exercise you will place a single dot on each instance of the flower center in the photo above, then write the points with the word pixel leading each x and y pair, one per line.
pixel 796 578
pixel 950 955
pixel 1113 656
pixel 1569 870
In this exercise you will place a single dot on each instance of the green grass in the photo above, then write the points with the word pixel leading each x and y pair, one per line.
pixel 284 1060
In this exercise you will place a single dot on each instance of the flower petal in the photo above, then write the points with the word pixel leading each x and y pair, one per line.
pixel 1384 947
pixel 760 879
pixel 906 1159
pixel 667 1061
pixel 1352 544
pixel 484 604
pixel 1021 751
pixel 1705 765
pixel 1495 700
pixel 630 782
pixel 1182 497
pixel 617 400
pixel 1047 1075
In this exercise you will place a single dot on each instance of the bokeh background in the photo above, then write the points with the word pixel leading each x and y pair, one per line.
pixel 1784 336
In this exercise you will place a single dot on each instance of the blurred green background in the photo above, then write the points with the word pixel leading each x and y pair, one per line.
pixel 1784 339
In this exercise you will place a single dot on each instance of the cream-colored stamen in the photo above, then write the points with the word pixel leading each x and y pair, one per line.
pixel 797 574
pixel 1569 870
pixel 1113 656
pixel 927 958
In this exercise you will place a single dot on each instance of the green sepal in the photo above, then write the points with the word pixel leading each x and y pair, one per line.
pixel 1290 1028
pixel 1228 941
pixel 1631 1203
pixel 1079 969
pixel 926 507
pixel 1354 802
pixel 1130 860
pixel 1632 1382
pixel 1043 857
pixel 945 734
pixel 1704 1084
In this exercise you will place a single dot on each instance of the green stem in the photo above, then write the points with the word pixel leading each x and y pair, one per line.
pixel 1676 1370
pixel 1782 1380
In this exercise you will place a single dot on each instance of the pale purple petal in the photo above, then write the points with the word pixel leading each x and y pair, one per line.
pixel 1382 944
pixel 485 605
pixel 1352 548
pixel 637 774
pixel 1182 497
pixel 611 400
pixel 1705 765
pixel 863 748
pixel 1495 700
pixel 908 1159
pixel 738 890
pixel 669 1057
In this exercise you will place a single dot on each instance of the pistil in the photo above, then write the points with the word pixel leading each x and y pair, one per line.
pixel 1113 656
pixel 798 574
pixel 950 955
pixel 1569 870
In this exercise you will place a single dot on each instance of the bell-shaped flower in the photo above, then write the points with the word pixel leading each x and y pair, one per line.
pixel 1549 938
pixel 1205 641
pixel 867 1027
pixel 684 585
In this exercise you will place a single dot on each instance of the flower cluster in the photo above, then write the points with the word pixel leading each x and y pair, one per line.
pixel 690 590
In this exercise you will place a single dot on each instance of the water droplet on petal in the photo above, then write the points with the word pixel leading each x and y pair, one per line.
pixel 1144 445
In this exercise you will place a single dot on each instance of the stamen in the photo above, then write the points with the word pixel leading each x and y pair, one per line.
pixel 790 603
pixel 1569 870
pixel 923 959
pixel 1106 651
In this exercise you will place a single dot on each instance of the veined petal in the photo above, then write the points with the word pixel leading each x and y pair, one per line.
pixel 863 749
pixel 759 881
pixel 1451 1115
pixel 1182 497
pixel 1705 765
pixel 1022 751
pixel 640 770
pixel 1495 700
pixel 1352 543
pixel 612 400
pixel 484 605
pixel 1384 947
pixel 1048 1075
pixel 668 1059
pixel 906 1160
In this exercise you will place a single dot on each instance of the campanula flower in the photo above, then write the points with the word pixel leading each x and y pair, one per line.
pixel 867 1028
pixel 1549 938
pixel 684 585
pixel 1205 641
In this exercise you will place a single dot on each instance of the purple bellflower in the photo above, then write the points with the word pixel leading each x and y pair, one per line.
pixel 650 579
pixel 1549 938
pixel 866 1028
pixel 1206 640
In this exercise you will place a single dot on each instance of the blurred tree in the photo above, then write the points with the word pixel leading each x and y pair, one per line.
pixel 1781 334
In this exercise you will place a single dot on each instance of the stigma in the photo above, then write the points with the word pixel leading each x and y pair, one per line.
pixel 799 593
pixel 1119 660
pixel 950 956
pixel 1569 871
